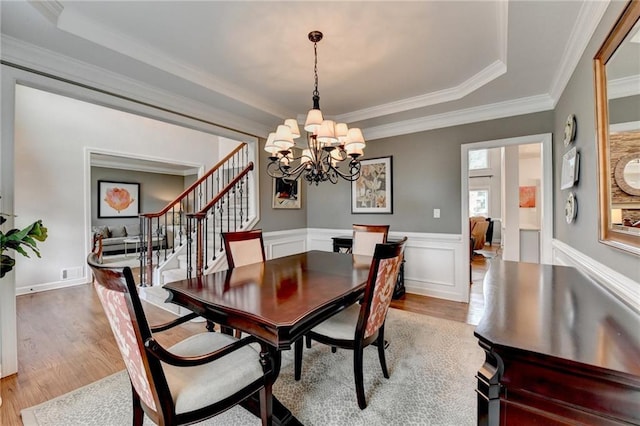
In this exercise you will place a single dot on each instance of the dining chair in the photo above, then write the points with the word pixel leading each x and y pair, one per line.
pixel 243 247
pixel 365 238
pixel 362 324
pixel 193 380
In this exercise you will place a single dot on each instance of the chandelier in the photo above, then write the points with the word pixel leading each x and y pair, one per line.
pixel 332 149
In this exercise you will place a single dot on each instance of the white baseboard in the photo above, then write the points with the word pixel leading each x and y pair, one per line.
pixel 623 287
pixel 51 286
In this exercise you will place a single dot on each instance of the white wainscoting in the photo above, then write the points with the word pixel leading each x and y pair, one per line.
pixel 437 265
pixel 620 285
pixel 284 243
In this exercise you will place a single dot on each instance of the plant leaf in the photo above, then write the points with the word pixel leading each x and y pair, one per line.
pixel 6 264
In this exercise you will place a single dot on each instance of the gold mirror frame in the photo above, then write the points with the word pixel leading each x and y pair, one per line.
pixel 608 235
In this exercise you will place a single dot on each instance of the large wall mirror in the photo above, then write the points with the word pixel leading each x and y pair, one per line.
pixel 617 84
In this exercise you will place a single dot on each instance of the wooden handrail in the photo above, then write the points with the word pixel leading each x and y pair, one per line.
pixel 203 212
pixel 187 191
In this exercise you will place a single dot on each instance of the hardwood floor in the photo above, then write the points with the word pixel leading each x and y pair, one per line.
pixel 64 339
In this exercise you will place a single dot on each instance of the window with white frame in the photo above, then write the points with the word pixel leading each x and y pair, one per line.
pixel 479 202
pixel 478 159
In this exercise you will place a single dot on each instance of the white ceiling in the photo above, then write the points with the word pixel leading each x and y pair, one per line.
pixel 391 67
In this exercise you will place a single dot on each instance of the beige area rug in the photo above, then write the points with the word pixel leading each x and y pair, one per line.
pixel 432 363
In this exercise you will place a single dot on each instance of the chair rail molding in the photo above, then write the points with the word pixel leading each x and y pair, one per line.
pixel 620 285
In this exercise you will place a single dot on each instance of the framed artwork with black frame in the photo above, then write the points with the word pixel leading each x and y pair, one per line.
pixel 118 199
pixel 286 194
pixel 372 192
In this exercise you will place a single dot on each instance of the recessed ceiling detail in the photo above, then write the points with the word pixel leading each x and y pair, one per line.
pixel 393 67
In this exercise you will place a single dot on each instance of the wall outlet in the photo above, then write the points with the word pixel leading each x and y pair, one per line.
pixel 436 213
pixel 71 273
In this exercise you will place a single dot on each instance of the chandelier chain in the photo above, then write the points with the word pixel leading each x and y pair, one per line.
pixel 315 68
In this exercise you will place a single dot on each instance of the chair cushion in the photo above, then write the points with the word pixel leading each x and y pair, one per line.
pixel 196 387
pixel 340 326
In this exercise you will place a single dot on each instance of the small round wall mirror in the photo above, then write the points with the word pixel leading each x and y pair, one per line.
pixel 627 174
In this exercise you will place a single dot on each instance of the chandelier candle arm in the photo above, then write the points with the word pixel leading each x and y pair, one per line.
pixel 329 144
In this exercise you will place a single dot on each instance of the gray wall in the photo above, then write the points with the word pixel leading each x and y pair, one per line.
pixel 426 175
pixel 624 110
pixel 156 190
pixel 578 98
pixel 277 219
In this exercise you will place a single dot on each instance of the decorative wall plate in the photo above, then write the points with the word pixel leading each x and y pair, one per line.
pixel 570 128
pixel 571 208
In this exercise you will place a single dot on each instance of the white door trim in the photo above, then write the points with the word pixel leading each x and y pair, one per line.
pixel 546 228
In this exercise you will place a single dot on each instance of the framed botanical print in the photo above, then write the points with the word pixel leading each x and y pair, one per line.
pixel 118 199
pixel 372 192
pixel 286 194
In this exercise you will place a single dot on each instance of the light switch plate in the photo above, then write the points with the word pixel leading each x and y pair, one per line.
pixel 436 213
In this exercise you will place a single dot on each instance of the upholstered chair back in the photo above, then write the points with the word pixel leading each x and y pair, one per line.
pixel 365 238
pixel 244 247
pixel 117 292
pixel 383 276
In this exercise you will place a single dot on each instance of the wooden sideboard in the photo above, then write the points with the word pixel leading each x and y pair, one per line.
pixel 559 350
pixel 343 244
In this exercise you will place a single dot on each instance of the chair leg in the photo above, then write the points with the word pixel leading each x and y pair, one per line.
pixel 383 361
pixel 334 349
pixel 297 370
pixel 359 377
pixel 266 405
pixel 138 413
pixel 308 339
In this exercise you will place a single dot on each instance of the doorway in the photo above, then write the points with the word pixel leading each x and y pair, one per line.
pixel 510 215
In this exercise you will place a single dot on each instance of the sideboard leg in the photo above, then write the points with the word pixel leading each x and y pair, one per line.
pixel 488 388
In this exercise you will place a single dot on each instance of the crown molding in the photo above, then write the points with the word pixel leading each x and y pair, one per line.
pixel 623 87
pixel 488 74
pixel 80 25
pixel 43 60
pixel 464 116
pixel 589 17
pixel 51 9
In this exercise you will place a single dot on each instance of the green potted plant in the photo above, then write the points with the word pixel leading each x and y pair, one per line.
pixel 18 240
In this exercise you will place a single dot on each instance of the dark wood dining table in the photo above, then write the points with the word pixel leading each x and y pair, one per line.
pixel 277 301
